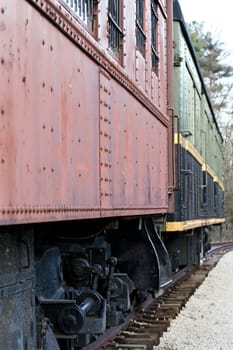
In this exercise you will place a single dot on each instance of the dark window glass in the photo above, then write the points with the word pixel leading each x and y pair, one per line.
pixel 154 21
pixel 115 31
pixel 204 188
pixel 140 34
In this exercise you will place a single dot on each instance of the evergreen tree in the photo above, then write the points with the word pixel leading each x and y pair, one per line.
pixel 216 73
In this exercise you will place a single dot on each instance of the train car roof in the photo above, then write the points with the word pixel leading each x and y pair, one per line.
pixel 178 16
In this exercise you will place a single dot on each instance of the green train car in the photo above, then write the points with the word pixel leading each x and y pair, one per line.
pixel 198 143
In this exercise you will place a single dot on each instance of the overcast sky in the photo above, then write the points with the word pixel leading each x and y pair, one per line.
pixel 217 16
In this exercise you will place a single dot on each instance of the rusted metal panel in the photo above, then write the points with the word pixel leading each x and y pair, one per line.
pixel 103 25
pixel 106 163
pixel 129 39
pixel 77 140
pixel 49 119
pixel 139 154
pixel 133 152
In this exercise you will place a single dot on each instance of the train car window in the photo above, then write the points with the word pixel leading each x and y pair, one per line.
pixel 84 9
pixel 154 21
pixel 115 30
pixel 204 188
pixel 140 34
pixel 215 196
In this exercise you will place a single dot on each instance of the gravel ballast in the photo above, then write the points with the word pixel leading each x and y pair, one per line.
pixel 206 322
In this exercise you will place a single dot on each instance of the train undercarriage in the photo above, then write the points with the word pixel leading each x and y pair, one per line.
pixel 62 285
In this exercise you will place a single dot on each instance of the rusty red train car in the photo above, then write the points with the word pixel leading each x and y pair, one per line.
pixel 83 115
pixel 86 171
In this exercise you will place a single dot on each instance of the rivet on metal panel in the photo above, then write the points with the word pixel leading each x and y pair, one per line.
pixel 24 79
pixel 2 10
pixel 2 111
pixel 2 60
pixel 2 160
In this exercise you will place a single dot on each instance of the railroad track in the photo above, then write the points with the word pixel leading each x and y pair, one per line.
pixel 143 328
